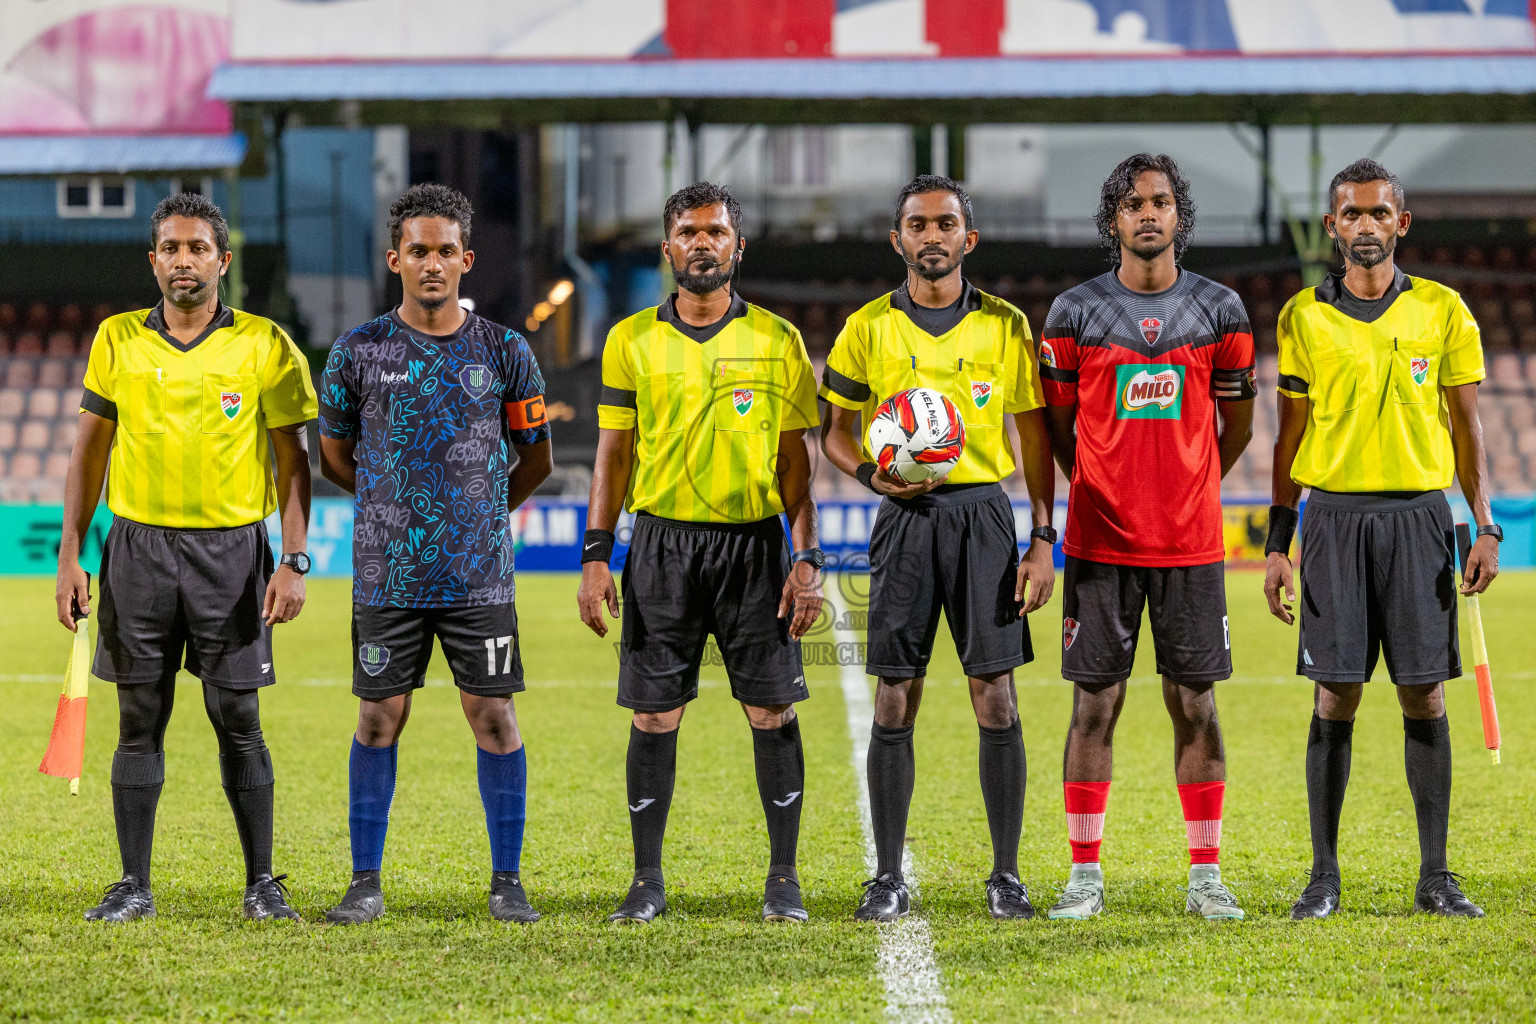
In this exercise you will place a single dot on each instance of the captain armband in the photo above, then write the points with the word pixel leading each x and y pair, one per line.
pixel 528 414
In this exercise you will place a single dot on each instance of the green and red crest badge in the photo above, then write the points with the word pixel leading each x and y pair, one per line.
pixel 741 398
pixel 229 401
pixel 981 392
pixel 1419 367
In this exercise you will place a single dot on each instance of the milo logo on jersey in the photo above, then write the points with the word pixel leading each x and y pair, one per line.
pixel 1148 391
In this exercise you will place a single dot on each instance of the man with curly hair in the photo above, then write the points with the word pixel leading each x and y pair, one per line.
pixel 421 413
pixel 1148 379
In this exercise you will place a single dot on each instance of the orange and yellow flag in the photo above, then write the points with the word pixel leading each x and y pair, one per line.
pixel 66 747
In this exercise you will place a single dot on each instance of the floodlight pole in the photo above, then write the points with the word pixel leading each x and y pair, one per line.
pixel 234 279
pixel 594 298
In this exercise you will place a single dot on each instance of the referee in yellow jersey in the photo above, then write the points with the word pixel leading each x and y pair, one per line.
pixel 191 403
pixel 946 545
pixel 1378 409
pixel 704 406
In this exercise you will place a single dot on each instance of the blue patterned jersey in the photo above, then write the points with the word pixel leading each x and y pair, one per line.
pixel 435 419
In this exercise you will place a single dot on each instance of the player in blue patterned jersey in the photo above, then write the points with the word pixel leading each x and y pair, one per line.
pixel 421 411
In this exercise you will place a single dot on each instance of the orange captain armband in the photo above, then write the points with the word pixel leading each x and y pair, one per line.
pixel 527 414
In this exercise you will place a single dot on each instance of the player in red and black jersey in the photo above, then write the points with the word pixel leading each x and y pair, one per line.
pixel 1153 367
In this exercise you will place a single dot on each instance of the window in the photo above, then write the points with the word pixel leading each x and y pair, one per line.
pixel 197 186
pixel 95 197
pixel 798 155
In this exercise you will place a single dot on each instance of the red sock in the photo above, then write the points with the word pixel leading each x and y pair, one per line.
pixel 1202 819
pixel 1086 802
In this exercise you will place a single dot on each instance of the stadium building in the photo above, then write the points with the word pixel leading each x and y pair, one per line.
pixel 567 121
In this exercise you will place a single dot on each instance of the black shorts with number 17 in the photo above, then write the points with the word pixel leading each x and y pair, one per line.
pixel 392 646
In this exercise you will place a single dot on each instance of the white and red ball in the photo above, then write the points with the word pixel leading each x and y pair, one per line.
pixel 917 435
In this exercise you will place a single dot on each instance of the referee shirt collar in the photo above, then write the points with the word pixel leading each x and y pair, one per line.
pixel 1333 292
pixel 667 314
pixel 223 317
pixel 938 321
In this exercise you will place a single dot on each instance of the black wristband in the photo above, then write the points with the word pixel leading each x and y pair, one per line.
pixel 866 474
pixel 597 546
pixel 1282 527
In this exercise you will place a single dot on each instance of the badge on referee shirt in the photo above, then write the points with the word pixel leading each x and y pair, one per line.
pixel 742 399
pixel 229 401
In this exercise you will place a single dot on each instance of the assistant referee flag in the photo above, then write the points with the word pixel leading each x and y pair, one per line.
pixel 191 450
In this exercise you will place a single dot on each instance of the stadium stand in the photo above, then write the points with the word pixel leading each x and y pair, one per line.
pixel 43 350
pixel 42 361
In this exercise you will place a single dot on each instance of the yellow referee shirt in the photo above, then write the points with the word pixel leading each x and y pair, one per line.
pixel 1373 373
pixel 707 405
pixel 191 447
pixel 985 364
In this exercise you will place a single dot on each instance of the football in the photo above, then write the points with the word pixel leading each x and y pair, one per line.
pixel 917 435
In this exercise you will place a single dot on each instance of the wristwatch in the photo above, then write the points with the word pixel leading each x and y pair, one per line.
pixel 1045 533
pixel 298 561
pixel 1493 530
pixel 813 555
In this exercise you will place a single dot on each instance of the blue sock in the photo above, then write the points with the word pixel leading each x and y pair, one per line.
pixel 371 776
pixel 504 792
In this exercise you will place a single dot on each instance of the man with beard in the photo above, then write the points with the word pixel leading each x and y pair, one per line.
pixel 421 413
pixel 1148 372
pixel 193 403
pixel 945 545
pixel 702 415
pixel 1378 408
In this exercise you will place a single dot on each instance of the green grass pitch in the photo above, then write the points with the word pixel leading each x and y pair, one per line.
pixel 437 957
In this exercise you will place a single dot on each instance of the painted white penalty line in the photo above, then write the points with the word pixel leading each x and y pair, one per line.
pixel 914 990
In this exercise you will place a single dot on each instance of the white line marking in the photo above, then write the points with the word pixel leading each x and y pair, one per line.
pixel 914 990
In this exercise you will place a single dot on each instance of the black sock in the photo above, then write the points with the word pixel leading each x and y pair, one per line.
pixel 1427 757
pixel 136 783
pixel 650 771
pixel 248 785
pixel 780 784
pixel 1003 775
pixel 892 771
pixel 1328 751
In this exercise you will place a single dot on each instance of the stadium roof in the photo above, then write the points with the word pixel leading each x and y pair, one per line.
pixel 1333 88
pixel 118 154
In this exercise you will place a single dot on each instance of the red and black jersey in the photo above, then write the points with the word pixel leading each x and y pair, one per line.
pixel 1145 372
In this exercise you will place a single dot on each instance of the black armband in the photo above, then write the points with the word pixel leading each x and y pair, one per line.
pixel 1282 527
pixel 597 546
pixel 866 474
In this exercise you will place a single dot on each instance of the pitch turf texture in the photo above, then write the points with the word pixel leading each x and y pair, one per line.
pixel 436 956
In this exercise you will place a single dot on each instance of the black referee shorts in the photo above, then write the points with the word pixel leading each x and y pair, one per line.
pixel 952 550
pixel 1378 575
pixel 166 591
pixel 682 582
